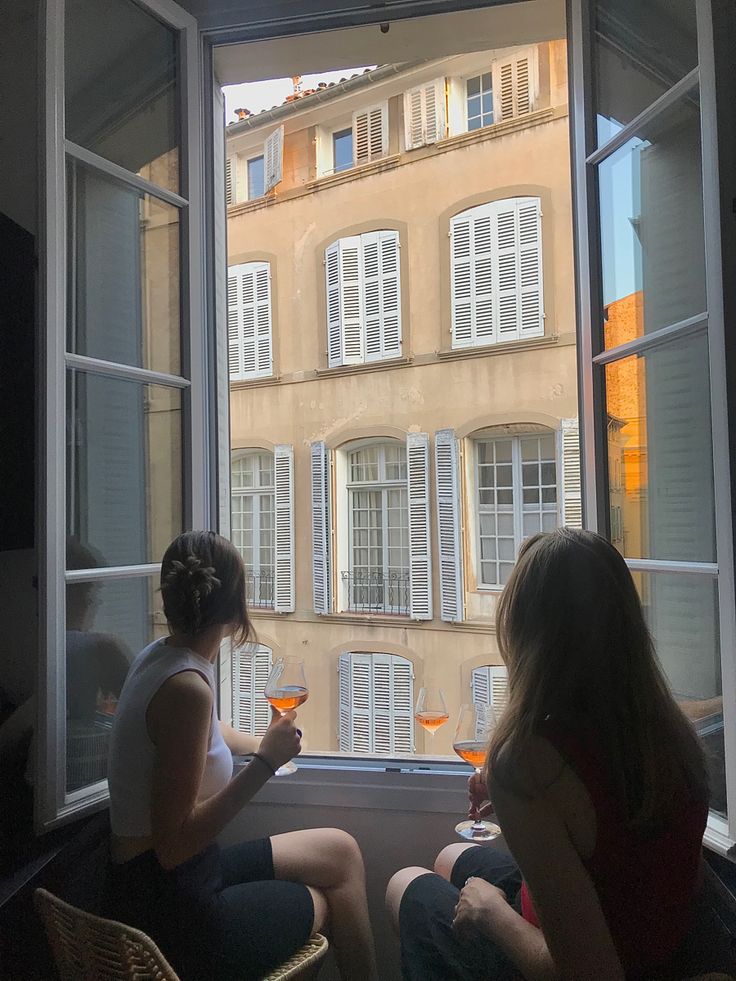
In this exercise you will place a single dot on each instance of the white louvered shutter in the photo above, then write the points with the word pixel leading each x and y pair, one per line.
pixel 334 314
pixel 513 86
pixel 370 133
pixel 345 714
pixel 420 558
pixel 249 320
pixel 447 477
pixel 382 707
pixel 344 278
pixel 321 572
pixel 473 277
pixel 273 159
pixel 361 703
pixel 381 290
pixel 507 264
pixel 251 668
pixel 531 309
pixel 424 114
pixel 572 498
pixel 402 705
pixel 284 529
pixel 489 685
pixel 230 180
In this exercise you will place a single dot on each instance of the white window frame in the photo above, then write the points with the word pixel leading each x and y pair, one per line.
pixel 53 804
pixel 338 131
pixel 466 115
pixel 255 493
pixel 249 196
pixel 518 505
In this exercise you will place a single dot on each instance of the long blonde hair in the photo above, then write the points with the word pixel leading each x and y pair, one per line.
pixel 572 633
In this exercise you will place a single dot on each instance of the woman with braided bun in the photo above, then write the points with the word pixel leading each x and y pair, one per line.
pixel 217 914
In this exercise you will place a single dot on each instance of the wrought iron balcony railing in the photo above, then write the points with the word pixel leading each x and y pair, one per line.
pixel 259 589
pixel 377 592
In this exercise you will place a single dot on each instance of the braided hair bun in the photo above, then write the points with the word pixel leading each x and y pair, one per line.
pixel 203 585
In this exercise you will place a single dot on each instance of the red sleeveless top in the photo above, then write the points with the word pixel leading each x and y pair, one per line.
pixel 646 884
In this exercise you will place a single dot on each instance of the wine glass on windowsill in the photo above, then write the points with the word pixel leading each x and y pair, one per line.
pixel 474 727
pixel 286 689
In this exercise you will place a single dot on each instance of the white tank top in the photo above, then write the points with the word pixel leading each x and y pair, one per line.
pixel 130 766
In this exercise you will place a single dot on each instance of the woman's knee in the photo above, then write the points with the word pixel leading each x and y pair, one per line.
pixel 445 861
pixel 397 886
pixel 342 855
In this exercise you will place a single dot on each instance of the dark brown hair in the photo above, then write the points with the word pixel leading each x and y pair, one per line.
pixel 572 633
pixel 203 585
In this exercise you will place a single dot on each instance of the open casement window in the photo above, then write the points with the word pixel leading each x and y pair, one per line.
pixel 251 668
pixel 370 134
pixel 514 85
pixel 447 476
pixel 321 532
pixel 652 349
pixel 424 114
pixel 124 416
pixel 376 704
pixel 273 159
pixel 249 321
pixel 363 284
pixel 496 288
pixel 489 685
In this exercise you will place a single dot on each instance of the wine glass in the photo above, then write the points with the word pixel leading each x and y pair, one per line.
pixel 474 726
pixel 431 709
pixel 286 689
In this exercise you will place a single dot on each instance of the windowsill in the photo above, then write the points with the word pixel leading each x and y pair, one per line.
pixel 377 619
pixel 368 366
pixel 489 350
pixel 256 382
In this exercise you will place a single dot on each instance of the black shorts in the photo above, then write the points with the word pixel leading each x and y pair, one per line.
pixel 220 916
pixel 430 950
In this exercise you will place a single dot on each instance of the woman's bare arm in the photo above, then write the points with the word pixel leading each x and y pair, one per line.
pixel 178 720
pixel 239 743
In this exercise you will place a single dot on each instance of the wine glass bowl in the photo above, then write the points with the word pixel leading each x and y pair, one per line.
pixel 431 709
pixel 474 727
pixel 287 689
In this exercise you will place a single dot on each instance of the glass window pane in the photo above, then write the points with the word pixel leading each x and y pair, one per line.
pixel 474 86
pixel 107 623
pixel 122 98
pixel 256 178
pixel 682 614
pixel 124 467
pixel 651 212
pixel 659 434
pixel 123 273
pixel 474 106
pixel 342 149
pixel 503 450
pixel 641 51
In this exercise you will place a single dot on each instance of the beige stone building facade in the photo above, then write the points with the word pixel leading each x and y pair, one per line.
pixel 403 379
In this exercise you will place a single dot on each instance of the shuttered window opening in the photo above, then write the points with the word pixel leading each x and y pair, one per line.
pixel 516 496
pixel 489 685
pixel 447 477
pixel 363 287
pixel 376 712
pixel 514 85
pixel 370 133
pixel 251 668
pixel 496 283
pixel 425 114
pixel 249 321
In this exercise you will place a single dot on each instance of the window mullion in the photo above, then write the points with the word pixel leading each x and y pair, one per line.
pixel 516 492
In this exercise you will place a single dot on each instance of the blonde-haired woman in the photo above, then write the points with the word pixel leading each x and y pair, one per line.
pixel 218 914
pixel 597 780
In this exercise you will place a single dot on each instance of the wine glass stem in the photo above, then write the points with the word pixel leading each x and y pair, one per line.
pixel 478 825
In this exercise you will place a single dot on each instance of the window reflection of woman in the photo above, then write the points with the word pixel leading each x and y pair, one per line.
pixel 597 780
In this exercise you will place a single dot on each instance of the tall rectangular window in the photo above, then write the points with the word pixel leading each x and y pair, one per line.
pixel 479 101
pixel 256 178
pixel 342 150
pixel 253 509
pixel 516 486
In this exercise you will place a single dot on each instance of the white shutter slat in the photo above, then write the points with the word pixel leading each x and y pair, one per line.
pixel 461 293
pixel 434 111
pixel 370 133
pixel 413 119
pixel 361 693
pixel 371 294
pixel 263 325
pixel 381 289
pixel 230 181
pixel 572 498
pixel 489 685
pixel 447 474
pixel 420 560
pixel 402 705
pixel 284 529
pixel 234 345
pixel 480 685
pixel 507 293
pixel 513 86
pixel 321 572
pixel 273 159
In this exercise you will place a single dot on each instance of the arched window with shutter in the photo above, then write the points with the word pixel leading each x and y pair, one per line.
pixel 489 685
pixel 376 703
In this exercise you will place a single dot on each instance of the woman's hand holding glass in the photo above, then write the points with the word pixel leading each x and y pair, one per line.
pixel 282 740
pixel 478 803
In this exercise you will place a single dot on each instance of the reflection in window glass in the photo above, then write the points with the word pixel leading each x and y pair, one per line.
pixel 682 614
pixel 479 101
pixel 121 87
pixel 124 467
pixel 641 50
pixel 651 214
pixel 342 150
pixel 123 274
pixel 659 443
pixel 107 623
pixel 256 178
